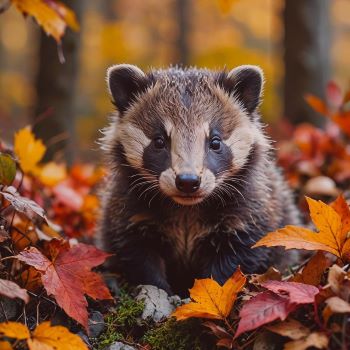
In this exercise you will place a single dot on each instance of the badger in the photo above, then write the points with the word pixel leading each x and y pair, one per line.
pixel 192 182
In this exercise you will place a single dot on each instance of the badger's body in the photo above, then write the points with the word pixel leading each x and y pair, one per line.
pixel 192 183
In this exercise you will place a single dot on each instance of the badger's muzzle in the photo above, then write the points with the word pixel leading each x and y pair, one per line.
pixel 187 183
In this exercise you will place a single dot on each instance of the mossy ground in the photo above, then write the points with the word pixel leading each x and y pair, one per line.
pixel 124 324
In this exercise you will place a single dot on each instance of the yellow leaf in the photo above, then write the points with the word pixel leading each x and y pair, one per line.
pixel 14 330
pixel 333 223
pixel 52 173
pixel 46 337
pixel 52 15
pixel 5 345
pixel 29 150
pixel 210 300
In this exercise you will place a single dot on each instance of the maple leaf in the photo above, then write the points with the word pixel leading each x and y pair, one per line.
pixel 7 169
pixel 46 336
pixel 332 222
pixel 28 149
pixel 68 276
pixel 52 15
pixel 276 303
pixel 313 271
pixel 210 300
pixel 12 290
pixel 14 330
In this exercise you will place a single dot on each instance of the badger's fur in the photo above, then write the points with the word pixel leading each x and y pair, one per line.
pixel 193 182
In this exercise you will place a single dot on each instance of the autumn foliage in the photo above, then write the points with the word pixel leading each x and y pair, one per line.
pixel 45 208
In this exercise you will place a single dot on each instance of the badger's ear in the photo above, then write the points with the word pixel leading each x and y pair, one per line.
pixel 125 81
pixel 245 83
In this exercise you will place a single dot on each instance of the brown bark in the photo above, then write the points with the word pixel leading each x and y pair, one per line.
pixel 306 57
pixel 54 119
pixel 182 8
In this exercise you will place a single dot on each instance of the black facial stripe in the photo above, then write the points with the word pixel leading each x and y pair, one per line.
pixel 156 160
pixel 219 161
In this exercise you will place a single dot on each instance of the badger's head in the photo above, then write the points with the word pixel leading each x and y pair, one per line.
pixel 185 133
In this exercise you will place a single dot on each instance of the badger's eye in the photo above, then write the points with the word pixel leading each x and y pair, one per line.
pixel 215 143
pixel 159 142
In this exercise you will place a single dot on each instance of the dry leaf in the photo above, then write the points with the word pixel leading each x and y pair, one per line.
pixel 52 15
pixel 5 345
pixel 335 305
pixel 290 328
pixel 24 205
pixel 14 330
pixel 47 337
pixel 28 149
pixel 270 274
pixel 317 339
pixel 313 271
pixel 12 290
pixel 276 303
pixel 210 300
pixel 332 221
pixel 68 276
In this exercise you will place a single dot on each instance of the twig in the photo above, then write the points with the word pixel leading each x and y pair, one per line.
pixel 3 310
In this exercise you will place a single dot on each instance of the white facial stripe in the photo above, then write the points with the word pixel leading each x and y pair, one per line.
pixel 134 141
pixel 187 151
pixel 168 125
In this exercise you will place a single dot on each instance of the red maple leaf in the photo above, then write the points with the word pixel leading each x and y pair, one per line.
pixel 68 277
pixel 276 303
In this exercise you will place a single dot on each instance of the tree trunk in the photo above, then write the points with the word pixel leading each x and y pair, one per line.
pixel 182 8
pixel 54 119
pixel 306 57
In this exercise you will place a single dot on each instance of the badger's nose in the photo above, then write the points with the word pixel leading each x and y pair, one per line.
pixel 187 183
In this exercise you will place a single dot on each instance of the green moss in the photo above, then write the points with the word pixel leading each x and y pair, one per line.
pixel 172 335
pixel 120 323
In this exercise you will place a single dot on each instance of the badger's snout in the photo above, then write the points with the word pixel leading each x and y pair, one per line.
pixel 187 183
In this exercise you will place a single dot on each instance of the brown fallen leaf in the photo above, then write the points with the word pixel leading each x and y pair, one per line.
pixel 332 222
pixel 12 290
pixel 317 340
pixel 210 300
pixel 335 305
pixel 271 274
pixel 290 328
pixel 313 271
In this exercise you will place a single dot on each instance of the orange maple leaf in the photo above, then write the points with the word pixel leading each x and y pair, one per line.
pixel 210 300
pixel 67 275
pixel 332 222
pixel 52 15
pixel 44 337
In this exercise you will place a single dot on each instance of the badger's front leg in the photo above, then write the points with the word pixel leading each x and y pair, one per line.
pixel 221 254
pixel 136 257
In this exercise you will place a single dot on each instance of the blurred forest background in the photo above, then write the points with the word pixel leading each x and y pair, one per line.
pixel 300 44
